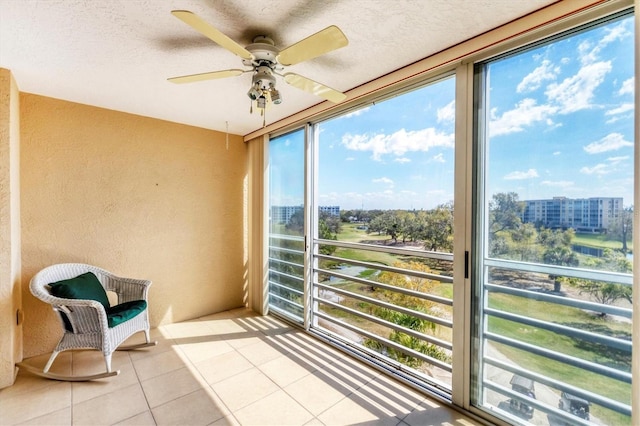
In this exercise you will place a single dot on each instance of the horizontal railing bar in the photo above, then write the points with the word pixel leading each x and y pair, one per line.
pixel 408 292
pixel 588 274
pixel 287 315
pixel 535 403
pixel 288 301
pixel 611 342
pixel 372 318
pixel 286 262
pixel 402 271
pixel 286 237
pixel 579 392
pixel 387 342
pixel 284 274
pixel 386 249
pixel 561 300
pixel 287 250
pixel 286 288
pixel 575 362
pixel 390 306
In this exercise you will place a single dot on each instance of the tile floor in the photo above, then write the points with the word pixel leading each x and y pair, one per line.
pixel 229 368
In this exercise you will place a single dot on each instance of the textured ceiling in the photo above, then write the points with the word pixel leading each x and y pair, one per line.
pixel 118 54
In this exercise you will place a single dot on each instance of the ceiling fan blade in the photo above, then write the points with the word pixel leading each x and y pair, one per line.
pixel 331 38
pixel 314 87
pixel 206 29
pixel 206 76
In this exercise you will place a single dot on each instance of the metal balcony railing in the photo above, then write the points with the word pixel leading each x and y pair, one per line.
pixel 350 303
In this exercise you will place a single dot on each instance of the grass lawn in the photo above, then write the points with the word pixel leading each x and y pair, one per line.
pixel 599 241
pixel 566 345
pixel 349 232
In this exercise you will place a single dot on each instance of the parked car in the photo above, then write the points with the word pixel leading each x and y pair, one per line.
pixel 524 386
pixel 572 404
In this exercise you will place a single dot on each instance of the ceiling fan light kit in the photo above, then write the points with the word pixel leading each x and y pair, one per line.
pixel 267 61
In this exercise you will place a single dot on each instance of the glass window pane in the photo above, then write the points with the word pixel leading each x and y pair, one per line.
pixel 286 225
pixel 383 269
pixel 554 283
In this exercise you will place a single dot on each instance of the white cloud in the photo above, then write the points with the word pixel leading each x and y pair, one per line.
pixel 598 169
pixel 611 142
pixel 534 79
pixel 402 160
pixel 526 113
pixel 618 118
pixel 349 159
pixel 618 32
pixel 557 153
pixel 439 158
pixel 558 183
pixel 586 53
pixel 356 113
pixel 589 55
pixel 384 180
pixel 572 94
pixel 398 143
pixel 616 160
pixel 627 87
pixel 621 109
pixel 575 93
pixel 447 113
pixel 517 175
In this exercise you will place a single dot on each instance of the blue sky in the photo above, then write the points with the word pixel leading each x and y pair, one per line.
pixel 560 123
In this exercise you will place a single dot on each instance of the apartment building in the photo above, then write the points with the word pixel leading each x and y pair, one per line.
pixel 582 214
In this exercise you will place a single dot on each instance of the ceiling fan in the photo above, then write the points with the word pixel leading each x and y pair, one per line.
pixel 267 61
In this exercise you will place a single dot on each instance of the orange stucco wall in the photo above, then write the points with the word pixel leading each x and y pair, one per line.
pixel 140 197
pixel 10 295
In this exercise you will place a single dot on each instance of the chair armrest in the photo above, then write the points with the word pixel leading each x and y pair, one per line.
pixel 127 289
pixel 85 315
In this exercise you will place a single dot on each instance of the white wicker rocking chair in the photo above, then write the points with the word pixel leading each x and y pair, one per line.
pixel 88 323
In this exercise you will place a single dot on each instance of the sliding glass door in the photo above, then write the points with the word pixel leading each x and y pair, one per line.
pixel 286 253
pixel 382 280
pixel 553 285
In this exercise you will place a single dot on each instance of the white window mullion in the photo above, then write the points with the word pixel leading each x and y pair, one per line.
pixel 462 236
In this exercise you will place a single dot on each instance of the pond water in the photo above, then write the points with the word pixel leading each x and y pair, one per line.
pixel 352 271
pixel 591 251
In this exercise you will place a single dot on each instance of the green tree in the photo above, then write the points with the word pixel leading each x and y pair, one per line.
pixel 388 223
pixel 295 225
pixel 505 212
pixel 333 223
pixel 324 232
pixel 406 320
pixel 602 292
pixel 621 228
pixel 505 217
pixel 524 242
pixel 558 251
pixel 346 215
pixel 438 229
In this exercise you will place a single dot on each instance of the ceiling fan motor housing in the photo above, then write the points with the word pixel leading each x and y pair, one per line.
pixel 263 49
pixel 263 77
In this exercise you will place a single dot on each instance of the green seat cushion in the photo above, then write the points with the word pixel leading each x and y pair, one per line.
pixel 85 286
pixel 125 311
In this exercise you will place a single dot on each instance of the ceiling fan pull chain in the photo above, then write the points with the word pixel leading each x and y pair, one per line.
pixel 227 135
